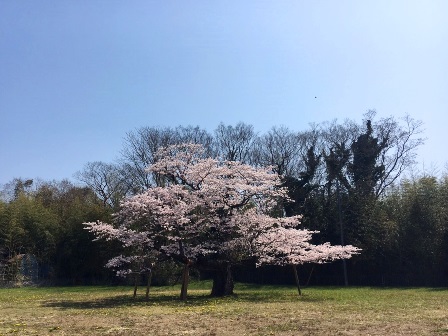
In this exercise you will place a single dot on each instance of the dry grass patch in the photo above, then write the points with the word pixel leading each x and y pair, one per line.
pixel 254 310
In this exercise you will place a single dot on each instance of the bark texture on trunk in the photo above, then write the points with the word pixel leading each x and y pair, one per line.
pixel 185 278
pixel 148 285
pixel 135 284
pixel 223 281
pixel 186 271
pixel 296 276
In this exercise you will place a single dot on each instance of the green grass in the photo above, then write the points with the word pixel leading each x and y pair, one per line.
pixel 253 310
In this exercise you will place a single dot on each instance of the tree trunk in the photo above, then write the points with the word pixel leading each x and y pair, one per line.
pixel 135 284
pixel 223 281
pixel 296 276
pixel 309 277
pixel 186 272
pixel 185 278
pixel 148 285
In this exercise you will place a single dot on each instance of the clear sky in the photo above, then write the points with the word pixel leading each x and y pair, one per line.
pixel 75 76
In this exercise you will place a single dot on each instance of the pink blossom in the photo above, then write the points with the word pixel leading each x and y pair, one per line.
pixel 212 207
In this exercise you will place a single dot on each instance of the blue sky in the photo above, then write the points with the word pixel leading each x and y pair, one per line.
pixel 75 76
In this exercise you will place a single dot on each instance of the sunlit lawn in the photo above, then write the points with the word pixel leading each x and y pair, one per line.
pixel 253 310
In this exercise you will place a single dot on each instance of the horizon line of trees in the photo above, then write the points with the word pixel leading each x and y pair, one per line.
pixel 346 179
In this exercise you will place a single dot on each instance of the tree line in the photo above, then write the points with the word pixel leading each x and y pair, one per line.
pixel 346 180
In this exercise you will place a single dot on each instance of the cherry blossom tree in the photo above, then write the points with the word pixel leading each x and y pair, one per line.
pixel 224 193
pixel 289 246
pixel 141 255
pixel 148 226
pixel 211 214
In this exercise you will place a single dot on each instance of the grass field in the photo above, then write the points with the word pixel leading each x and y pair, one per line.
pixel 254 310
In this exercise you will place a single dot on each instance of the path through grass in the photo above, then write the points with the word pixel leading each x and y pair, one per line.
pixel 254 310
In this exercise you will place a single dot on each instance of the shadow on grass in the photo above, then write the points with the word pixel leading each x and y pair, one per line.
pixel 438 289
pixel 126 301
pixel 171 301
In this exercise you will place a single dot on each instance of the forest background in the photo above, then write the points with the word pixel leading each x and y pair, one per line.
pixel 354 182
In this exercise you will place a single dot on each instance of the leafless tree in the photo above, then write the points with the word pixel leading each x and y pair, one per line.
pixel 402 140
pixel 141 145
pixel 196 135
pixel 279 148
pixel 138 153
pixel 106 180
pixel 234 143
